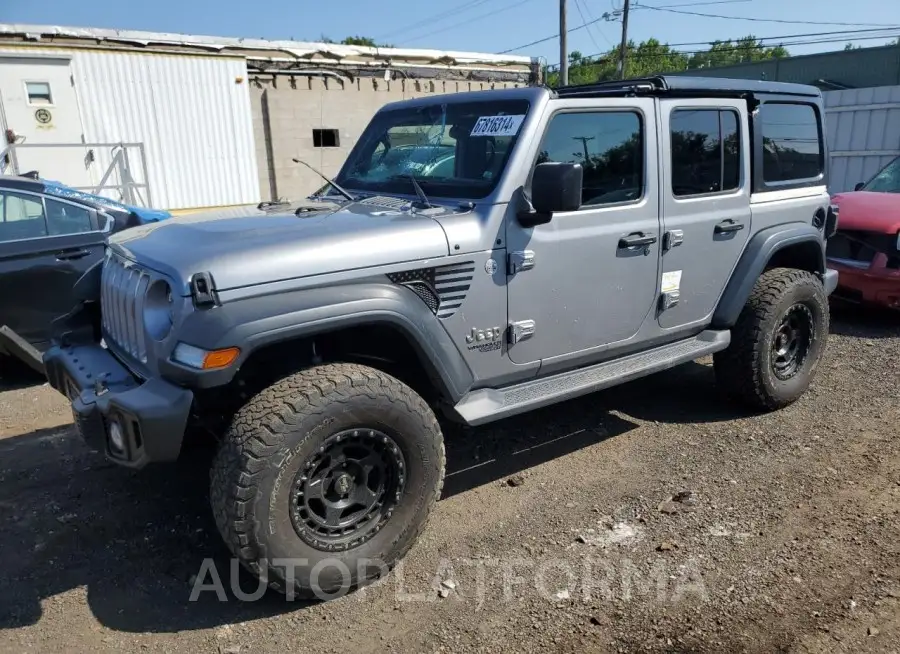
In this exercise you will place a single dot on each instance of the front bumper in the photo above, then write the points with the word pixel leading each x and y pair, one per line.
pixel 152 415
pixel 876 284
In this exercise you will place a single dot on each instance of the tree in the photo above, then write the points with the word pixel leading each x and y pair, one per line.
pixel 651 57
pixel 358 40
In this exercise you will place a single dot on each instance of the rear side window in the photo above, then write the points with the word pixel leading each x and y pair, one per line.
pixel 610 147
pixel 65 218
pixel 792 147
pixel 706 151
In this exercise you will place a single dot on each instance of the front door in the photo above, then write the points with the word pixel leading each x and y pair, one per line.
pixel 594 277
pixel 40 111
pixel 46 245
pixel 706 204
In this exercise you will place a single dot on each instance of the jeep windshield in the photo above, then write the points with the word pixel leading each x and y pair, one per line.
pixel 454 149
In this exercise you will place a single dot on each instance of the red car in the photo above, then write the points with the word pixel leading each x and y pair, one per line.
pixel 866 248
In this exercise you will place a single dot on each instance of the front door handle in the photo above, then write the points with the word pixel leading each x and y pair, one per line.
pixel 728 226
pixel 71 255
pixel 636 239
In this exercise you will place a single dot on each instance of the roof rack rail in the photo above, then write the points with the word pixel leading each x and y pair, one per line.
pixel 637 86
pixel 685 86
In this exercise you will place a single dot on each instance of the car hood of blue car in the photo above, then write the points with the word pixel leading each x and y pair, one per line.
pixel 144 214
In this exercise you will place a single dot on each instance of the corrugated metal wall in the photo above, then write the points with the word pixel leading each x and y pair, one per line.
pixel 863 127
pixel 191 114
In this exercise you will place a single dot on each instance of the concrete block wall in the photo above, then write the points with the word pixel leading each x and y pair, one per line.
pixel 286 110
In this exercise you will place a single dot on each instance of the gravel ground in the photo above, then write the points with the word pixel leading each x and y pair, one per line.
pixel 653 517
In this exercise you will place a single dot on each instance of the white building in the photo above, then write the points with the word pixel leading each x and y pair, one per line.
pixel 183 122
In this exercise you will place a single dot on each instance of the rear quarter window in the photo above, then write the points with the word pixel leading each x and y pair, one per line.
pixel 792 147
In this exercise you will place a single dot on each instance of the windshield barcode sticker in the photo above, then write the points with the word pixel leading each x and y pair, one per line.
pixel 497 125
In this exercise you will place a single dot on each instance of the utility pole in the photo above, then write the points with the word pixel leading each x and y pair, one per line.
pixel 623 51
pixel 563 46
pixel 584 141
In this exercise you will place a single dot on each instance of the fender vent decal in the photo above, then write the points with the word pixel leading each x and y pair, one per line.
pixel 443 288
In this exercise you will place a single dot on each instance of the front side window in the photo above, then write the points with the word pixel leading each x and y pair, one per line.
pixel 706 155
pixel 21 216
pixel 457 149
pixel 610 147
pixel 887 180
pixel 792 147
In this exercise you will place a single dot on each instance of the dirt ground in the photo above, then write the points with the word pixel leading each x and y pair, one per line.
pixel 653 517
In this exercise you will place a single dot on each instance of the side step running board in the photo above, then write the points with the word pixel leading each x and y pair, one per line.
pixel 487 404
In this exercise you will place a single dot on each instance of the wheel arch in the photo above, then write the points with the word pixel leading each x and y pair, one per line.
pixel 319 324
pixel 796 245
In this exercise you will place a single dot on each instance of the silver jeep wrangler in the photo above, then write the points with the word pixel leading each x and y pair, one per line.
pixel 482 254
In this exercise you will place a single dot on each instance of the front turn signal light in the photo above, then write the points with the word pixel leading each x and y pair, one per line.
pixel 201 359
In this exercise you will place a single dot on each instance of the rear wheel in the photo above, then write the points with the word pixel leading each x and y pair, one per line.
pixel 778 340
pixel 334 470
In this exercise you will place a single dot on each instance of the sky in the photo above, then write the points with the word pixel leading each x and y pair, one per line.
pixel 477 25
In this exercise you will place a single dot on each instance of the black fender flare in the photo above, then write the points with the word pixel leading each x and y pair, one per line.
pixel 756 256
pixel 255 322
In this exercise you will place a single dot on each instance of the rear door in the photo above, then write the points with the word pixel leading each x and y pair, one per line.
pixel 706 204
pixel 46 244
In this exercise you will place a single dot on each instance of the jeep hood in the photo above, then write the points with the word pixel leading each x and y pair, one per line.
pixel 870 212
pixel 249 246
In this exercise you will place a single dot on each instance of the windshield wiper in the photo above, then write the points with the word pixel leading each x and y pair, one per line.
pixel 333 184
pixel 423 199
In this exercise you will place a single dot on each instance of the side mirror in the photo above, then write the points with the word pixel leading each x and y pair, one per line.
pixel 859 186
pixel 554 187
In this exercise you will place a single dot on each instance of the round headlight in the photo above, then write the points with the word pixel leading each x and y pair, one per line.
pixel 159 310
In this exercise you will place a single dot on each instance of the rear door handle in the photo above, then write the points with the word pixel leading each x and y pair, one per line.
pixel 70 255
pixel 637 239
pixel 728 226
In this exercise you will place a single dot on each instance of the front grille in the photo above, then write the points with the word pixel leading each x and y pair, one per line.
pixel 857 245
pixel 124 288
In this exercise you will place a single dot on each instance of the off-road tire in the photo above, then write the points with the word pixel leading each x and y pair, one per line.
pixel 745 369
pixel 268 441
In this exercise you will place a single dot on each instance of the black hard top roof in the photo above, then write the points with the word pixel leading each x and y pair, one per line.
pixel 685 86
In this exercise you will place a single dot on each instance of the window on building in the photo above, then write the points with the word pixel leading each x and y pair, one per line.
pixel 38 93
pixel 792 147
pixel 326 138
pixel 706 156
pixel 65 218
pixel 610 147
pixel 21 217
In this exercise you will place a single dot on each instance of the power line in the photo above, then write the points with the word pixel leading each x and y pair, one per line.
pixel 607 17
pixel 468 21
pixel 764 20
pixel 595 26
pixel 550 38
pixel 466 6
pixel 649 55
pixel 838 36
pixel 694 4
pixel 584 20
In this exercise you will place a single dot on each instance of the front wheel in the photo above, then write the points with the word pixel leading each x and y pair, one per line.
pixel 326 478
pixel 777 342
